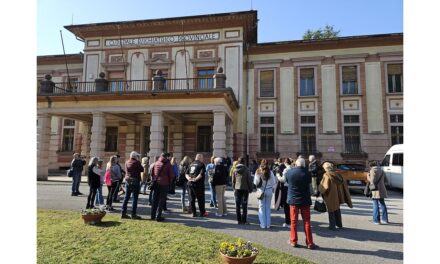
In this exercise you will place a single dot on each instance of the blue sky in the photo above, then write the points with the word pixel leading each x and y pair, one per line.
pixel 281 20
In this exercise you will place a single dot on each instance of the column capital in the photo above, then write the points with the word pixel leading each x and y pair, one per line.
pixel 98 114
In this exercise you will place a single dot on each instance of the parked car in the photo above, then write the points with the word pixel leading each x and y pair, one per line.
pixel 354 174
pixel 392 165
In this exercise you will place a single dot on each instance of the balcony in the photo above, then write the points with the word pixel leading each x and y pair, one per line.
pixel 158 87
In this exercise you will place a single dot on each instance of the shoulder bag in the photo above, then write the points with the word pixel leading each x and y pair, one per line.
pixel 260 193
pixel 320 206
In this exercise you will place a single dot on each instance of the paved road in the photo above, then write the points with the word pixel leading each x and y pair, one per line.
pixel 359 242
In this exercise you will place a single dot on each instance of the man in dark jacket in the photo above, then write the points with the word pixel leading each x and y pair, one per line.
pixel 196 185
pixel 298 197
pixel 133 167
pixel 242 184
pixel 77 165
pixel 313 170
pixel 162 173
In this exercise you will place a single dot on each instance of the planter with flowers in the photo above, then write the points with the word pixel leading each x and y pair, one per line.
pixel 92 216
pixel 238 252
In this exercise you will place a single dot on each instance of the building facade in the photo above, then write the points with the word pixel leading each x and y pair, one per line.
pixel 202 84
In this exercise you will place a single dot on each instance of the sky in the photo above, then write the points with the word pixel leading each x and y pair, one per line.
pixel 281 20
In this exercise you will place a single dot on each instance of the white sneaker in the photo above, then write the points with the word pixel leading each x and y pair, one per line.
pixel 286 225
pixel 225 214
pixel 219 215
pixel 383 222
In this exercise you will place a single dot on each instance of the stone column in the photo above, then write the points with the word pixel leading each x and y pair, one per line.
pixel 97 144
pixel 178 140
pixel 43 137
pixel 219 134
pixel 85 130
pixel 130 139
pixel 156 135
pixel 229 138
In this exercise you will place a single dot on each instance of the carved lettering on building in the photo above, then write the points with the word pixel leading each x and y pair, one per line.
pixel 162 39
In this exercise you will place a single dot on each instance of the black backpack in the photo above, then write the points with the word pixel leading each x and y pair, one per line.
pixel 181 179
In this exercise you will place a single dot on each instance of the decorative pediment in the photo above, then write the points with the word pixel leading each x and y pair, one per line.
pixel 159 60
pixel 114 66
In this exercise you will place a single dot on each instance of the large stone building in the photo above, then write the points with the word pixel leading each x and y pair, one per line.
pixel 218 92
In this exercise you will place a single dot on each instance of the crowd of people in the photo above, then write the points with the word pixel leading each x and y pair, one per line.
pixel 292 183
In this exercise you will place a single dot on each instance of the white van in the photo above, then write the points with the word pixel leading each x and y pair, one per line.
pixel 392 165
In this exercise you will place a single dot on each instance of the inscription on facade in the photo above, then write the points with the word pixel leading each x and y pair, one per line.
pixel 162 39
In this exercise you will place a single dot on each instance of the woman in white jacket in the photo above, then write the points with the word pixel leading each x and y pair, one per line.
pixel 266 182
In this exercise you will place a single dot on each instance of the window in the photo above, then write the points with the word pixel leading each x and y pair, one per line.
pixel 395 78
pixel 396 127
pixel 352 134
pixel 267 83
pixel 204 139
pixel 68 135
pixel 308 134
pixel 386 161
pixel 146 140
pixel 307 82
pixel 116 85
pixel 111 139
pixel 349 80
pixel 398 159
pixel 206 80
pixel 267 134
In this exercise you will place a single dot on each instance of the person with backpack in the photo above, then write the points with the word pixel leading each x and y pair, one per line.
pixel 196 185
pixel 183 182
pixel 242 185
pixel 210 169
pixel 219 184
pixel 145 175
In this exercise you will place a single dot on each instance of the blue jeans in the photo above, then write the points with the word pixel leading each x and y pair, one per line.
pixel 76 180
pixel 129 189
pixel 264 208
pixel 184 191
pixel 99 197
pixel 213 194
pixel 376 214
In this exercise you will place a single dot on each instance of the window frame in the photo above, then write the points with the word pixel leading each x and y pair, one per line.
pixel 358 79
pixel 349 124
pixel 274 82
pixel 69 127
pixel 386 78
pixel 106 144
pixel 260 125
pixel 315 80
pixel 210 83
pixel 209 138
pixel 395 124
pixel 304 125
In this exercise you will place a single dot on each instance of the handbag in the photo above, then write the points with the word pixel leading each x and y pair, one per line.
pixel 373 186
pixel 367 190
pixel 320 206
pixel 260 193
pixel 70 172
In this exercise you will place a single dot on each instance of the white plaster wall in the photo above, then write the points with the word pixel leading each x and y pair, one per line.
pixel 329 109
pixel 374 97
pixel 92 67
pixel 233 70
pixel 137 67
pixel 179 71
pixel 288 111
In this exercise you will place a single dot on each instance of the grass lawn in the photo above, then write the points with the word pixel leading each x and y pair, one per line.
pixel 62 237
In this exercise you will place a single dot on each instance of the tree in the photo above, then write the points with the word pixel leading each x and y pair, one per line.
pixel 327 32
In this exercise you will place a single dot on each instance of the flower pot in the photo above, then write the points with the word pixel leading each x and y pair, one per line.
pixel 92 218
pixel 232 260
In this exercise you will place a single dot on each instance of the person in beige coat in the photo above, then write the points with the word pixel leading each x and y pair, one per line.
pixel 335 192
pixel 377 177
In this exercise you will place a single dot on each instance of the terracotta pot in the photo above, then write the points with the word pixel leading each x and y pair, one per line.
pixel 232 260
pixel 93 218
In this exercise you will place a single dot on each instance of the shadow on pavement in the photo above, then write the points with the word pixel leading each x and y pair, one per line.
pixel 388 254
